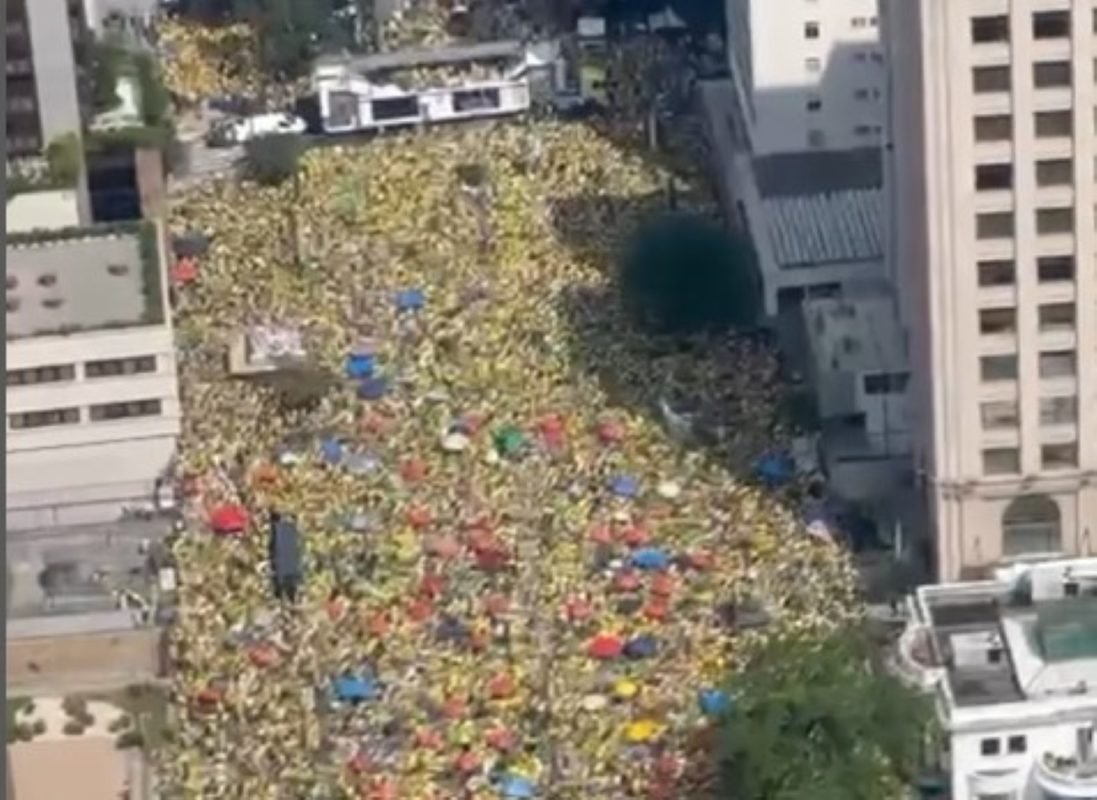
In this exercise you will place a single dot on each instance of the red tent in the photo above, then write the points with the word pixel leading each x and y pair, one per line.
pixel 184 271
pixel 228 519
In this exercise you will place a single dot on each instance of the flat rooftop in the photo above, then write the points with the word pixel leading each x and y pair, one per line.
pixel 1027 636
pixel 858 334
pixel 79 280
pixel 823 207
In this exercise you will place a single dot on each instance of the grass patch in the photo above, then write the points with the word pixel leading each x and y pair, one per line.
pixel 147 708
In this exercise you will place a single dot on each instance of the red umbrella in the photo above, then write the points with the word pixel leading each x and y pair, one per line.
pixel 605 646
pixel 184 271
pixel 229 519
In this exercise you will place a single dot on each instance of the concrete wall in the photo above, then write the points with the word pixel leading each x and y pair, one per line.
pixel 43 210
pixel 130 656
pixel 54 67
pixel 86 473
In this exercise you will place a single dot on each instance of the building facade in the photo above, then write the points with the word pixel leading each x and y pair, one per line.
pixel 1012 665
pixel 92 396
pixel 43 99
pixel 809 75
pixel 993 213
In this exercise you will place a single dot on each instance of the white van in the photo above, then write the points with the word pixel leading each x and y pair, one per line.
pixel 243 130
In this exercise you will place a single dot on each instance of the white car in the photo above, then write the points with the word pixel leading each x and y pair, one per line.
pixel 243 130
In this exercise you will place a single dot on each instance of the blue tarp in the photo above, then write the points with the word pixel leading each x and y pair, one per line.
pixel 360 366
pixel 373 388
pixel 624 486
pixel 641 647
pixel 713 702
pixel 410 300
pixel 332 451
pixel 775 469
pixel 650 558
pixel 354 688
pixel 516 786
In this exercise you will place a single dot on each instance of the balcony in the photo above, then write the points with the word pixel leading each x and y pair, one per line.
pixel 1067 778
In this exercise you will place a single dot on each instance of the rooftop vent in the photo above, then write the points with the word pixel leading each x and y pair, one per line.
pixel 118 270
pixel 48 279
pixel 12 282
pixel 53 302
pixel 13 305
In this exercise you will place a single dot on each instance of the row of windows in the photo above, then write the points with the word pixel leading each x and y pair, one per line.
pixel 996 29
pixel 1007 460
pixel 1052 364
pixel 1003 272
pixel 1051 318
pixel 813 29
pixel 105 368
pixel 999 415
pixel 1000 224
pixel 1048 172
pixel 105 412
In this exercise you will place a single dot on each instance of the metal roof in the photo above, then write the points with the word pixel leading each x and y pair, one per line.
pixel 809 230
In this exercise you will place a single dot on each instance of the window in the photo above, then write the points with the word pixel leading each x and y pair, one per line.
pixel 1016 744
pixel 1051 25
pixel 1054 124
pixel 134 408
pixel 994 321
pixel 1058 410
pixel 1052 269
pixel 814 103
pixel 859 22
pixel 51 374
pixel 1055 172
pixel 886 383
pixel 993 369
pixel 863 130
pixel 392 108
pixel 813 64
pixel 1000 414
pixel 114 367
pixel 811 30
pixel 1056 317
pixel 1000 461
pixel 475 100
pixel 1058 364
pixel 1051 74
pixel 1050 221
pixel 990 79
pixel 1031 523
pixel 994 225
pixel 861 94
pixel 1059 456
pixel 995 273
pixel 44 419
pixel 994 128
pixel 985 30
pixel 993 177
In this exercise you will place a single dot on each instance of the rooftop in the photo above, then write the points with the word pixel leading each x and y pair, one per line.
pixel 856 334
pixel 1030 634
pixel 425 57
pixel 823 207
pixel 81 279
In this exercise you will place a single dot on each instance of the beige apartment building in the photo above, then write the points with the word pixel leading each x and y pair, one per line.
pixel 994 122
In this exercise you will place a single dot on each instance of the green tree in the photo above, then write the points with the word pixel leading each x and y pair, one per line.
pixel 155 99
pixel 64 157
pixel 272 159
pixel 819 717
pixel 107 60
pixel 289 31
pixel 681 273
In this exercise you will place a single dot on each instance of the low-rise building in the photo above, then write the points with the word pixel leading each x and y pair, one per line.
pixel 92 396
pixel 1012 663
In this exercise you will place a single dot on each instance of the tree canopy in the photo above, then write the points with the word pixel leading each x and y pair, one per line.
pixel 274 158
pixel 814 717
pixel 681 273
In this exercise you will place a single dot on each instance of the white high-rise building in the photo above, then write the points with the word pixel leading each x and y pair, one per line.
pixel 994 239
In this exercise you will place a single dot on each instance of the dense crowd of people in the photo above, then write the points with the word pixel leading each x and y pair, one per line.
pixel 517 582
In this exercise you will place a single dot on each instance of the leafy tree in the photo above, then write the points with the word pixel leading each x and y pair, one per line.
pixel 64 157
pixel 817 717
pixel 107 60
pixel 155 99
pixel 272 159
pixel 289 31
pixel 681 273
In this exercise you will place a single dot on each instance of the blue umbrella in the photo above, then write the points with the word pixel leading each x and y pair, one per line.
pixel 625 486
pixel 354 688
pixel 332 451
pixel 373 388
pixel 410 300
pixel 641 647
pixel 775 468
pixel 360 365
pixel 516 786
pixel 714 702
pixel 650 558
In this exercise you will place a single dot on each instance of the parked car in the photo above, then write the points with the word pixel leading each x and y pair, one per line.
pixel 243 130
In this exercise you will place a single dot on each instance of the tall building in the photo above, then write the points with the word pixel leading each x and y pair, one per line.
pixel 42 84
pixel 1012 665
pixel 92 395
pixel 993 160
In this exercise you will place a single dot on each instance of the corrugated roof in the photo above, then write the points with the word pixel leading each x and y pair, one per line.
pixel 809 230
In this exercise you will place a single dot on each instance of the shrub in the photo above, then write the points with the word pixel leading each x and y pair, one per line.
pixel 107 60
pixel 74 706
pixel 72 728
pixel 273 159
pixel 64 158
pixel 682 273
pixel 39 727
pixel 120 724
pixel 129 739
